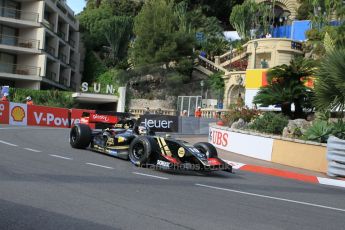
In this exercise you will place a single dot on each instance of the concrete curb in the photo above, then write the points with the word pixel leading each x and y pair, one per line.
pixel 287 174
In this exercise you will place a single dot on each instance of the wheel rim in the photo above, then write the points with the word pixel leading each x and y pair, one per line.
pixel 138 151
pixel 74 135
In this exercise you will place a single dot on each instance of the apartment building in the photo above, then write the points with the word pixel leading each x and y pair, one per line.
pixel 39 45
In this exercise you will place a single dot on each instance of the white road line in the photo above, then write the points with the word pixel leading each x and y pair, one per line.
pixel 33 150
pixel 102 166
pixel 272 197
pixel 7 143
pixel 158 177
pixel 57 156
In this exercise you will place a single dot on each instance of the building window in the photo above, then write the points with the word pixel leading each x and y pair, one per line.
pixel 7 62
pixel 8 35
pixel 10 9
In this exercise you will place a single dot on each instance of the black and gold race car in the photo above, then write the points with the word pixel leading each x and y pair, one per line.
pixel 142 147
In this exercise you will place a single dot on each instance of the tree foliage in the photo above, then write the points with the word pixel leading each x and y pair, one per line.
pixel 286 85
pixel 250 16
pixel 321 12
pixel 159 38
pixel 217 84
pixel 90 20
pixel 330 82
pixel 118 7
pixel 107 29
pixel 217 9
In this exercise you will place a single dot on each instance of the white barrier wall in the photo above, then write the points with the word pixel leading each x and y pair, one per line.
pixel 248 145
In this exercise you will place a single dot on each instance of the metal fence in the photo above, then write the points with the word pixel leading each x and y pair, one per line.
pixel 19 42
pixel 194 125
pixel 336 156
pixel 19 69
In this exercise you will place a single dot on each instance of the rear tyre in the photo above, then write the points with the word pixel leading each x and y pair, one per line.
pixel 140 151
pixel 80 136
pixel 207 149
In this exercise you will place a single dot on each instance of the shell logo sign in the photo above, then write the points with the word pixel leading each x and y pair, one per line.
pixel 18 114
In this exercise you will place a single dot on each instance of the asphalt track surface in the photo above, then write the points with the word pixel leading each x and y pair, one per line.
pixel 45 184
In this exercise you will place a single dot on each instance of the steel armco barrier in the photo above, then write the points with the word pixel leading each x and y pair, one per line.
pixel 336 156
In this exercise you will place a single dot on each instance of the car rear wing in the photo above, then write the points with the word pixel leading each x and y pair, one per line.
pixel 103 119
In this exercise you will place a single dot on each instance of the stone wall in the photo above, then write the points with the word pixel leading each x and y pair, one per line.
pixel 152 104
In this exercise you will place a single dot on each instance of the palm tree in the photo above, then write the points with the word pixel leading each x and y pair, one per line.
pixel 286 85
pixel 330 82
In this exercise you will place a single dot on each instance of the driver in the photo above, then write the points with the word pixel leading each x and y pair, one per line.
pixel 142 130
pixel 121 126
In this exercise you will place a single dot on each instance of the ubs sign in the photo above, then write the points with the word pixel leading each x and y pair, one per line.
pixel 160 123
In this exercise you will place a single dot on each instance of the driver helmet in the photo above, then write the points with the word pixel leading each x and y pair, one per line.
pixel 142 130
pixel 6 94
pixel 28 98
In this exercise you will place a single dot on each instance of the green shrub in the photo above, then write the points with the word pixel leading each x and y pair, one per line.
pixel 53 98
pixel 270 123
pixel 236 113
pixel 339 129
pixel 321 130
pixel 313 35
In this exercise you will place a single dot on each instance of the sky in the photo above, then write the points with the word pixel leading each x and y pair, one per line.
pixel 76 5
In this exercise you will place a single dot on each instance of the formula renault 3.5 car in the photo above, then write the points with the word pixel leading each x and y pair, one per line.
pixel 142 147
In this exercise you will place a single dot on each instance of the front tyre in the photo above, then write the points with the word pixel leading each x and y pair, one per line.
pixel 207 149
pixel 80 136
pixel 140 150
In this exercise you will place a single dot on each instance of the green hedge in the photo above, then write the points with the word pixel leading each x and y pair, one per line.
pixel 53 98
pixel 270 122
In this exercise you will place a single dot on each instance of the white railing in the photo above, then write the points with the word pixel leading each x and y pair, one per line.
pixel 213 113
pixel 211 66
pixel 140 111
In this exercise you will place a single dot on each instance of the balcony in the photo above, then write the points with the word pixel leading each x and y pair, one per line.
pixel 71 42
pixel 63 58
pixel 48 25
pixel 51 75
pixel 72 64
pixel 63 81
pixel 19 42
pixel 73 85
pixel 19 69
pixel 61 5
pixel 50 50
pixel 61 34
pixel 19 14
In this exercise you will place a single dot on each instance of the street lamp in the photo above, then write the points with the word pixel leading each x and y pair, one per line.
pixel 280 25
pixel 255 46
pixel 230 55
pixel 202 87
pixel 319 17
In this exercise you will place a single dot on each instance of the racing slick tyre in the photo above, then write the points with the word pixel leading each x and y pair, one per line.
pixel 207 148
pixel 80 136
pixel 140 150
